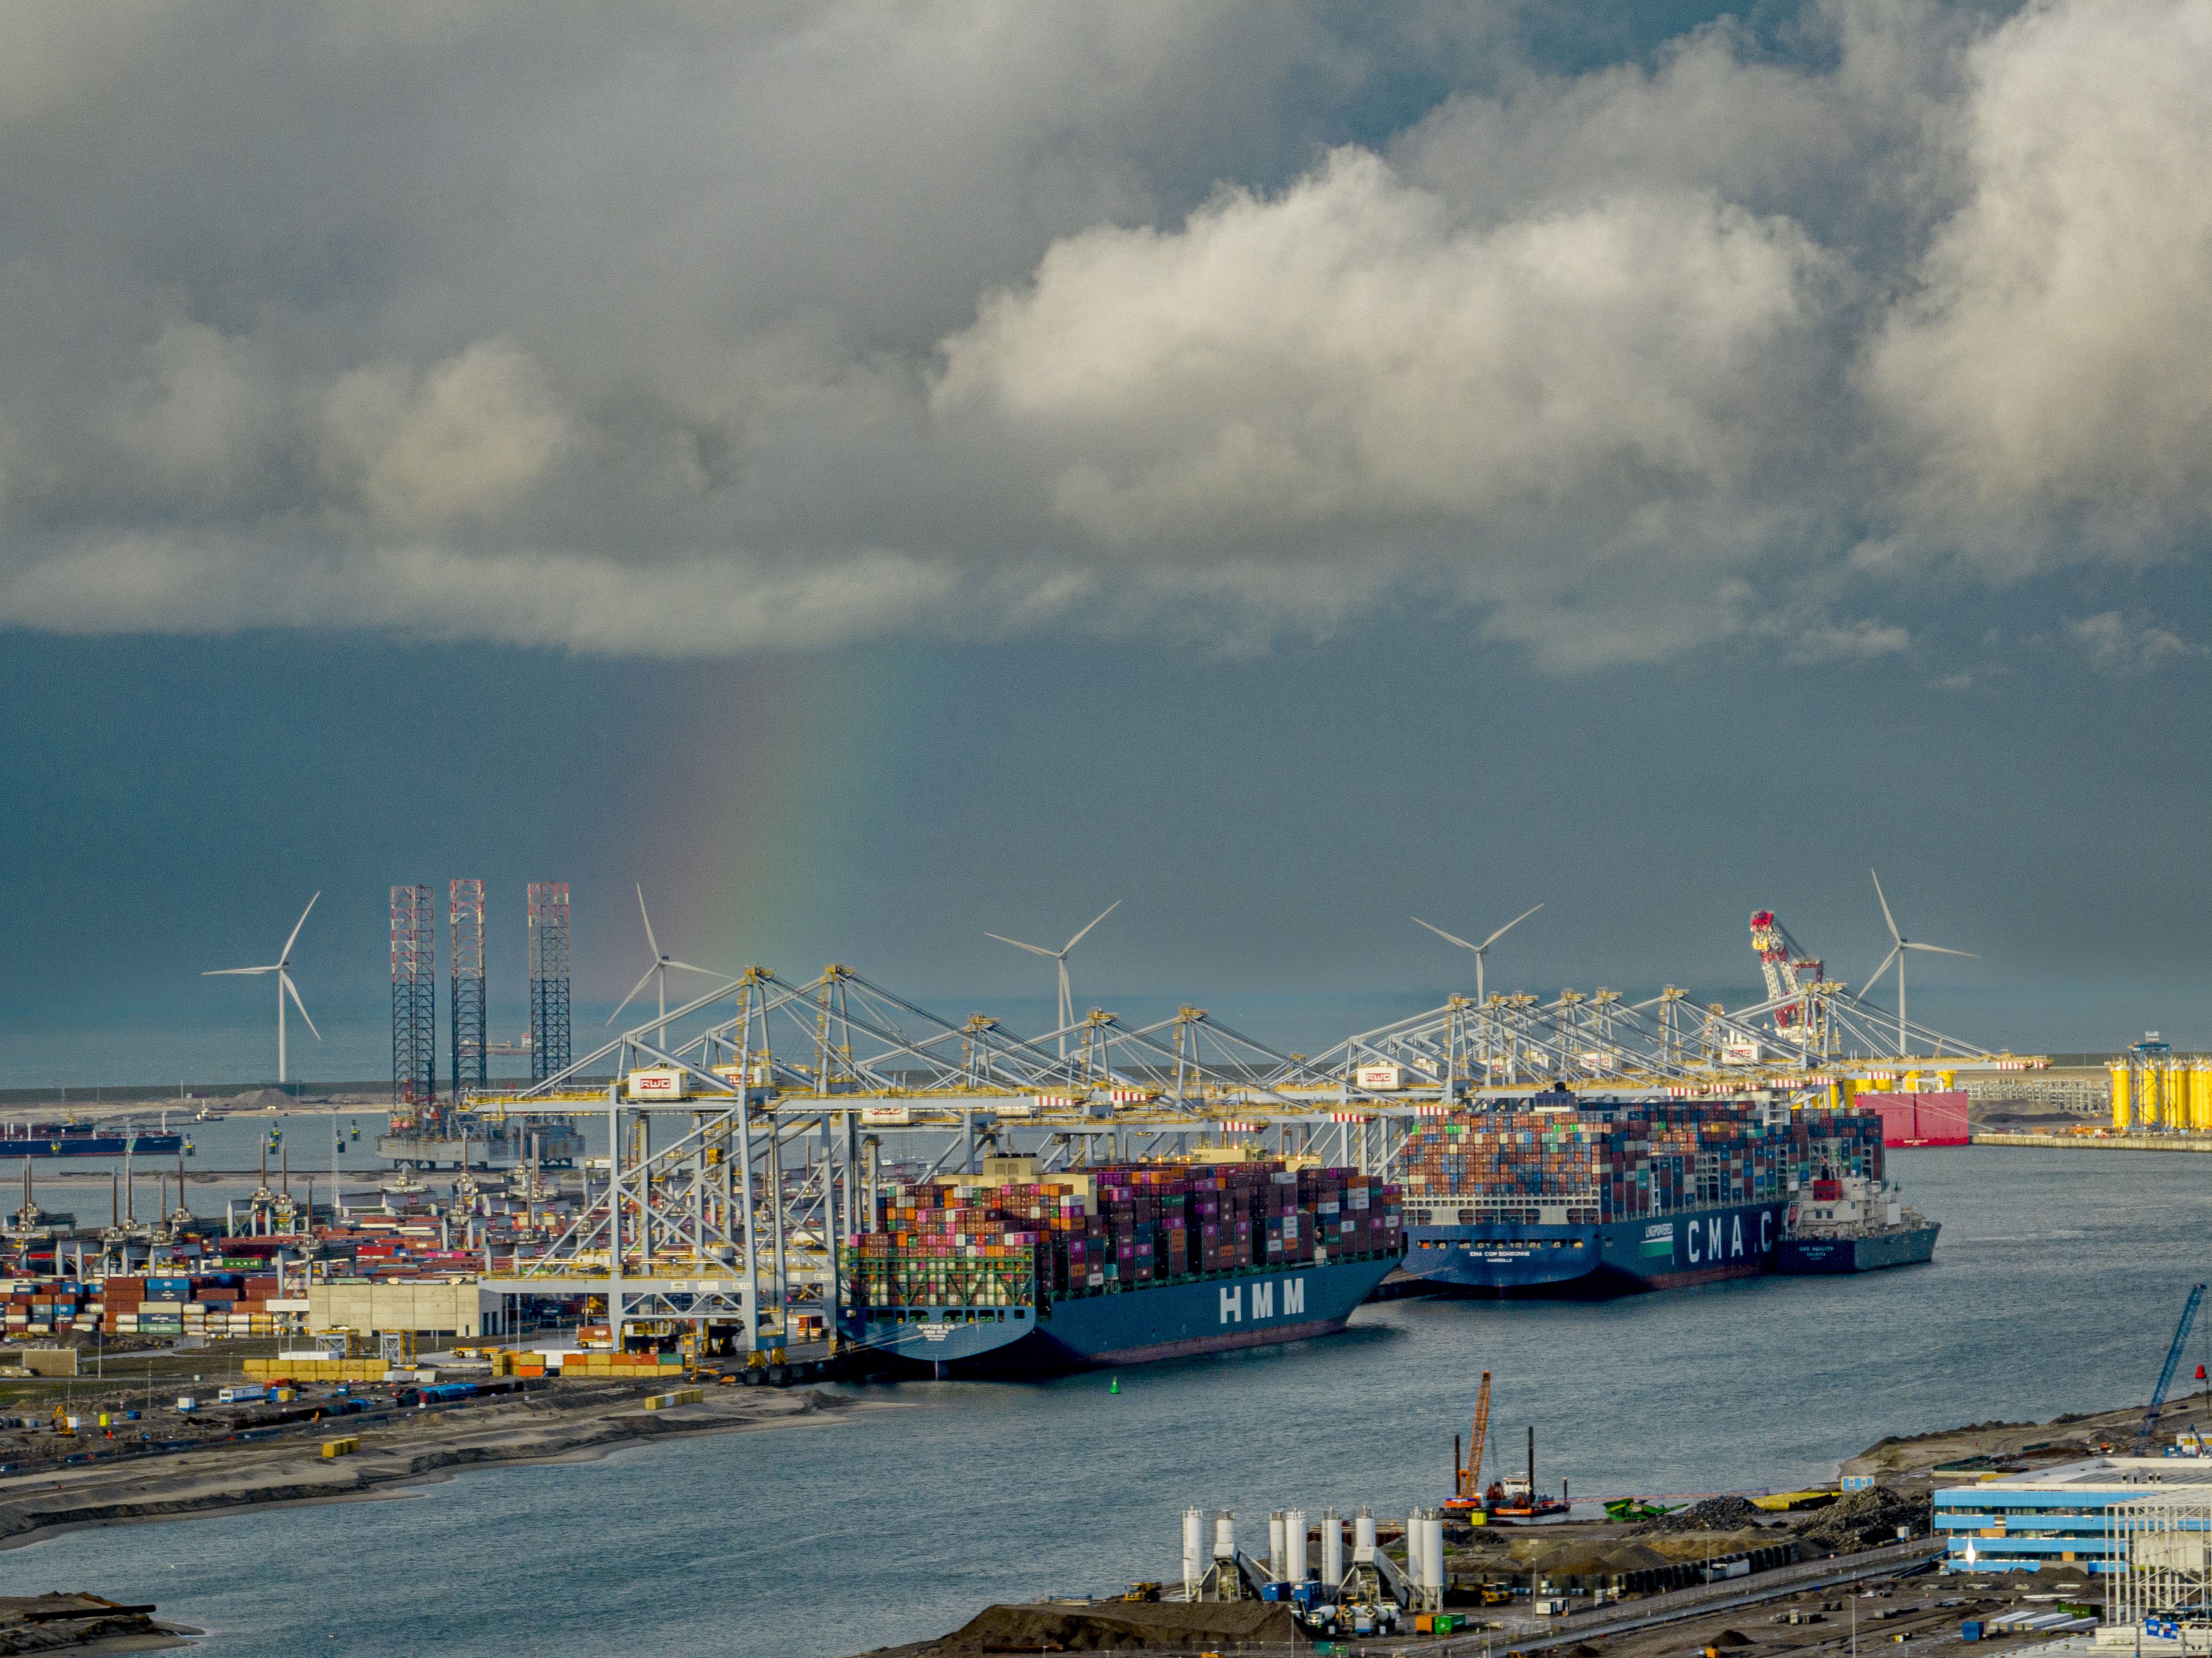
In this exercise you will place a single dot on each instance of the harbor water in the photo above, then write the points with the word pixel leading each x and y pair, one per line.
pixel 2055 1288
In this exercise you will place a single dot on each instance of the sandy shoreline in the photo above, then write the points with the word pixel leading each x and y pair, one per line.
pixel 396 1458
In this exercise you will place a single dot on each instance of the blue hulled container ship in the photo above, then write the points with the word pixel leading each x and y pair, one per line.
pixel 1014 1271
pixel 1558 1196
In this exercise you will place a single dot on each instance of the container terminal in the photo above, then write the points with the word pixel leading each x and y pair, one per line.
pixel 827 1171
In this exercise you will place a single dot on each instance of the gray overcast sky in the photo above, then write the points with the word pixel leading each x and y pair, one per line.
pixel 876 473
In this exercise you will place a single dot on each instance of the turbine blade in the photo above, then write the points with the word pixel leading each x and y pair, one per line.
pixel 634 990
pixel 1938 950
pixel 1509 927
pixel 1441 933
pixel 1886 915
pixel 285 979
pixel 1034 950
pixel 286 955
pixel 1871 977
pixel 1095 920
pixel 686 966
pixel 651 943
pixel 221 972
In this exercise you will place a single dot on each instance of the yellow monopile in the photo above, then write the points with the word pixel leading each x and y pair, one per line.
pixel 2123 1112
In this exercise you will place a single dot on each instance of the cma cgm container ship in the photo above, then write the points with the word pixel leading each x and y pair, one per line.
pixel 1561 1197
pixel 1017 1271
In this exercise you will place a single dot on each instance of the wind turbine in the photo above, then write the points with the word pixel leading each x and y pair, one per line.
pixel 1900 944
pixel 282 967
pixel 1481 950
pixel 1060 956
pixel 659 970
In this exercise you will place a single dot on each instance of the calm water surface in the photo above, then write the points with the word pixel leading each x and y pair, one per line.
pixel 2055 1288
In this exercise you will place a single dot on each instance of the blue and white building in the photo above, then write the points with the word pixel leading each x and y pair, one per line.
pixel 2059 1517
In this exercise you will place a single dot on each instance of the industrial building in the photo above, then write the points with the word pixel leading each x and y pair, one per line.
pixel 2067 1515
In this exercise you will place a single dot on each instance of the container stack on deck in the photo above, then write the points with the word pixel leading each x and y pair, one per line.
pixel 1103 1229
pixel 1619 1162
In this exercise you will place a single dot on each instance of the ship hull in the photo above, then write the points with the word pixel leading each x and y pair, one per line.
pixel 91 1145
pixel 1216 1313
pixel 1612 1258
pixel 1909 1246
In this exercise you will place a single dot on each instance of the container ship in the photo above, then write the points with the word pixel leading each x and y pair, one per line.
pixel 1567 1197
pixel 1015 1272
pixel 1854 1224
pixel 85 1140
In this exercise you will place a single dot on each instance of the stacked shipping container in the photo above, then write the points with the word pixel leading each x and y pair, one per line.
pixel 965 1241
pixel 1622 1162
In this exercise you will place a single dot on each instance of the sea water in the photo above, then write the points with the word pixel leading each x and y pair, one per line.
pixel 2055 1288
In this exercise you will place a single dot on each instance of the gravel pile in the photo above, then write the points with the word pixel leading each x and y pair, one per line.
pixel 1714 1514
pixel 1865 1520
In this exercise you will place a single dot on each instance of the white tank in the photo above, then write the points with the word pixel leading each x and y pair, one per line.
pixel 1332 1548
pixel 1432 1554
pixel 1194 1545
pixel 1363 1538
pixel 1224 1535
pixel 1279 1549
pixel 1413 1546
pixel 1294 1532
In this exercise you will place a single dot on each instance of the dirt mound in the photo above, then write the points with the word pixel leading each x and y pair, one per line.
pixel 1866 1520
pixel 261 1099
pixel 1730 1637
pixel 1134 1626
pixel 1595 1559
pixel 1714 1514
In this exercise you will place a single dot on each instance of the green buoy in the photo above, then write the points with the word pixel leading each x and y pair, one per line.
pixel 1114 1386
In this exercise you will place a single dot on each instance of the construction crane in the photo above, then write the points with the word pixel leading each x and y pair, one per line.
pixel 2165 1375
pixel 1788 968
pixel 1468 1475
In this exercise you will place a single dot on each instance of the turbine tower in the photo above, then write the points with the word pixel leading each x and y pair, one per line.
pixel 1060 958
pixel 282 967
pixel 1899 945
pixel 658 971
pixel 1481 950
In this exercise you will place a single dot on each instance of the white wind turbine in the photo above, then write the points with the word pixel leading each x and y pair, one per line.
pixel 1481 950
pixel 658 970
pixel 1900 944
pixel 1060 957
pixel 282 967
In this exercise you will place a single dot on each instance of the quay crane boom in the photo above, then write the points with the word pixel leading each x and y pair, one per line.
pixel 2166 1376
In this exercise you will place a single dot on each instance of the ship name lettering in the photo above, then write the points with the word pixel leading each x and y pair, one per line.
pixel 1736 1235
pixel 1232 1302
pixel 1294 1296
pixel 1766 1230
pixel 1263 1301
pixel 1713 1238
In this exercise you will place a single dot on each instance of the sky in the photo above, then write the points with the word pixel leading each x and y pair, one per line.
pixel 877 475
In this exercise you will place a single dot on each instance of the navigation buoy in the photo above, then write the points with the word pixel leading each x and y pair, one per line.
pixel 1114 1386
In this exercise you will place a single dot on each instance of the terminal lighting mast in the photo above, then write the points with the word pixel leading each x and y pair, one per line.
pixel 549 978
pixel 464 917
pixel 414 998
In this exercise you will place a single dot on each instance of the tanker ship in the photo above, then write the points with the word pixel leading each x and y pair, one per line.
pixel 1015 1272
pixel 1567 1197
pixel 85 1140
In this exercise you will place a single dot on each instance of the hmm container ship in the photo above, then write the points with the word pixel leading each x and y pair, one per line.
pixel 1564 1197
pixel 1019 1272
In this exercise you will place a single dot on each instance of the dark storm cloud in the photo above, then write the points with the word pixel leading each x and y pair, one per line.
pixel 695 331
